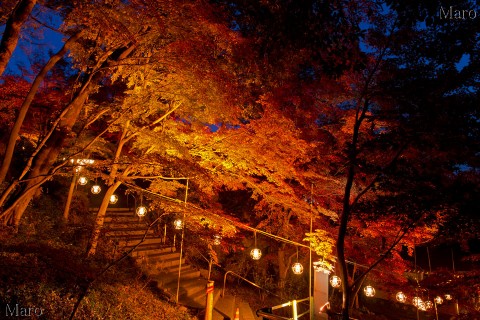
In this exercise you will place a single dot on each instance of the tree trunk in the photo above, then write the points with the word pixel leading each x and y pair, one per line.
pixel 93 243
pixel 282 270
pixel 102 210
pixel 71 190
pixel 26 104
pixel 12 31
pixel 48 155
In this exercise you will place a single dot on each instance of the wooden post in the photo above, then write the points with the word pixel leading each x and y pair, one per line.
pixel 209 304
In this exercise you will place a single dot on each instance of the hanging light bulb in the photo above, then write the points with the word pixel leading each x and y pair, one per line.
pixel 96 189
pixel 401 297
pixel 217 239
pixel 82 180
pixel 141 211
pixel 297 268
pixel 369 291
pixel 113 199
pixel 416 301
pixel 335 281
pixel 438 300
pixel 178 224
pixel 448 297
pixel 428 305
pixel 421 306
pixel 256 253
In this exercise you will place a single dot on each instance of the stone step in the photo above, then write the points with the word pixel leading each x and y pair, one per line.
pixel 118 231
pixel 224 308
pixel 151 247
pixel 158 258
pixel 167 263
pixel 130 241
pixel 245 311
pixel 169 275
pixel 124 220
pixel 199 299
pixel 190 289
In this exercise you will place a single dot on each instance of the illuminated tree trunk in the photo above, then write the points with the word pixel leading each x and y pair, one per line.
pixel 113 185
pixel 6 161
pixel 283 268
pixel 102 210
pixel 12 31
pixel 45 159
pixel 346 211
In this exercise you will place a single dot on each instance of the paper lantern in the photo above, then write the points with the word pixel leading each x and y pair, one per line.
pixel 256 254
pixel 113 199
pixel 82 180
pixel 297 268
pixel 96 189
pixel 401 297
pixel 369 291
pixel 335 281
pixel 141 211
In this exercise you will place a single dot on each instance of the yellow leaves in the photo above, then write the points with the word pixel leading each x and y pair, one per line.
pixel 322 243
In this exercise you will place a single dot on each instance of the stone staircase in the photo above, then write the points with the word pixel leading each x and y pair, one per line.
pixel 160 262
pixel 226 308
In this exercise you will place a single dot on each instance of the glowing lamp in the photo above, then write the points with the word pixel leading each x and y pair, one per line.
pixel 401 297
pixel 369 291
pixel 428 305
pixel 141 211
pixel 178 224
pixel 335 281
pixel 96 189
pixel 297 268
pixel 82 180
pixel 438 300
pixel 256 254
pixel 416 301
pixel 448 297
pixel 421 306
pixel 113 199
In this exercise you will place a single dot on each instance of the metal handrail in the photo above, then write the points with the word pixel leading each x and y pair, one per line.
pixel 293 304
pixel 246 280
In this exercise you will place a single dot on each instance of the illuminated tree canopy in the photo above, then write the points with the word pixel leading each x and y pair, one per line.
pixel 352 115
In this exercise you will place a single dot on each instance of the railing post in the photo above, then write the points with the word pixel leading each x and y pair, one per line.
pixel 294 308
pixel 209 306
pixel 165 234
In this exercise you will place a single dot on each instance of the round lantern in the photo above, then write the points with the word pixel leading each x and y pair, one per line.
pixel 416 301
pixel 178 224
pixel 369 291
pixel 256 254
pixel 438 300
pixel 448 297
pixel 82 180
pixel 428 305
pixel 141 211
pixel 96 189
pixel 335 281
pixel 297 268
pixel 401 297
pixel 421 306
pixel 113 198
